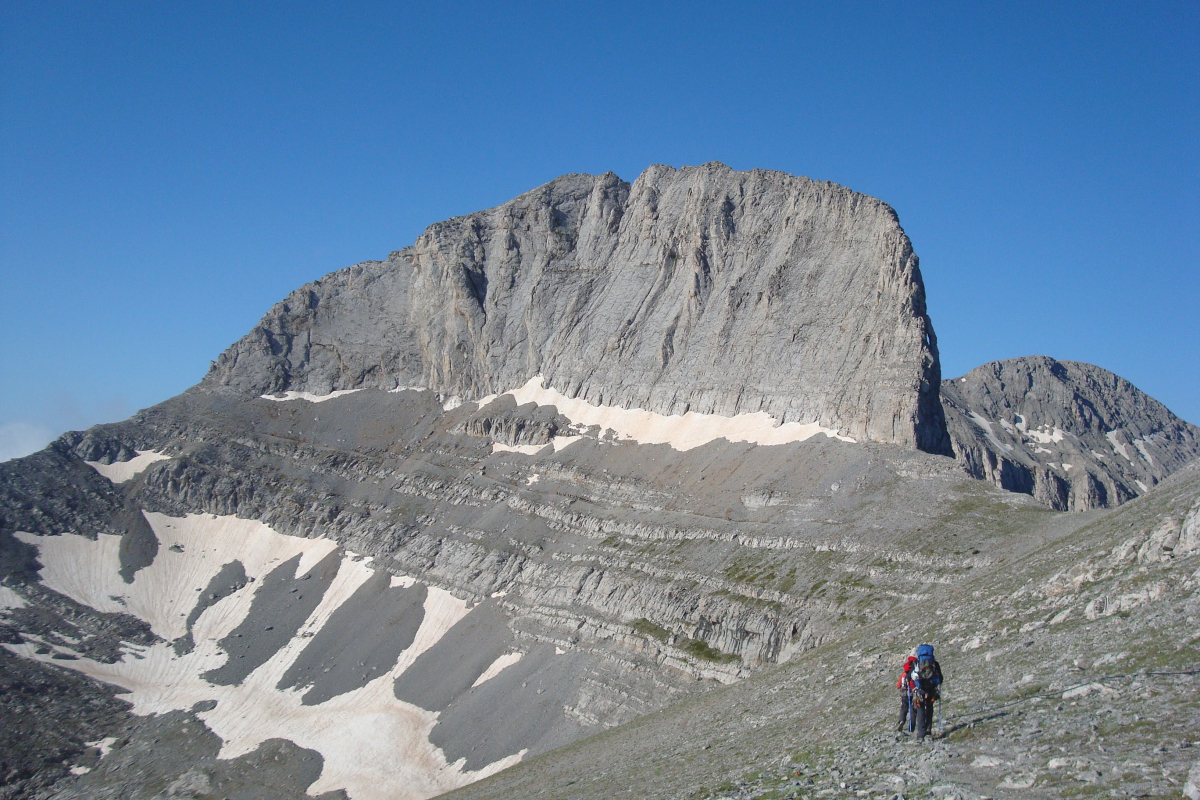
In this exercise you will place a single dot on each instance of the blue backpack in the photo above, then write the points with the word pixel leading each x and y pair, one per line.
pixel 925 674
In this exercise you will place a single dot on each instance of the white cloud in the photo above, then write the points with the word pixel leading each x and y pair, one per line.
pixel 22 438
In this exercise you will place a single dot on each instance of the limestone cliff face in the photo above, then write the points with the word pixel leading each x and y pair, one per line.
pixel 699 289
pixel 1073 435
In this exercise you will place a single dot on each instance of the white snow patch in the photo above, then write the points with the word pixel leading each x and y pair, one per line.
pixel 1140 444
pixel 1067 467
pixel 402 581
pixel 987 429
pixel 558 651
pixel 1142 486
pixel 1042 450
pixel 1045 436
pixel 163 593
pixel 506 660
pixel 556 444
pixel 1100 456
pixel 524 449
pixel 452 403
pixel 682 432
pixel 373 745
pixel 79 769
pixel 121 471
pixel 1117 446
pixel 399 389
pixel 309 396
pixel 104 745
pixel 534 478
pixel 496 595
pixel 10 599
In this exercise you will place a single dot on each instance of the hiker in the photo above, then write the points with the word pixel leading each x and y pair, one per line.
pixel 927 680
pixel 905 685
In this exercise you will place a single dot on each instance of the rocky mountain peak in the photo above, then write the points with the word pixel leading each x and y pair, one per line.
pixel 1074 435
pixel 696 289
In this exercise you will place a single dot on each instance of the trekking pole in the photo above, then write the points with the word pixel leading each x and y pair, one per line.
pixel 941 728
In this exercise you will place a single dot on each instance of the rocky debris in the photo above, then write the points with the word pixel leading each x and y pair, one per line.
pixel 175 756
pixel 700 289
pixel 1073 435
pixel 47 717
pixel 1022 717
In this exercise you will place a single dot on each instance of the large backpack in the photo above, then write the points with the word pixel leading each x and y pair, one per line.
pixel 925 673
pixel 925 683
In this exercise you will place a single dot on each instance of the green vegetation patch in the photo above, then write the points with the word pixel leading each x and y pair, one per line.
pixel 698 648
pixel 648 628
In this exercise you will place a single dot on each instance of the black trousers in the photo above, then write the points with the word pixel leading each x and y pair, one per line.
pixel 903 710
pixel 923 716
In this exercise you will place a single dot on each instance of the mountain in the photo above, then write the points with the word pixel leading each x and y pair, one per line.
pixel 564 475
pixel 1071 664
pixel 1073 435
pixel 699 289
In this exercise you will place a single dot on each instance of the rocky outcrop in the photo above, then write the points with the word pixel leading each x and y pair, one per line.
pixel 1073 435
pixel 700 289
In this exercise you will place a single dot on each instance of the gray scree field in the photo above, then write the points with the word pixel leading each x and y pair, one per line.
pixel 616 489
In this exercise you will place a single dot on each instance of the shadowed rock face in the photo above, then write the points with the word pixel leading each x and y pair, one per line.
pixel 700 289
pixel 1073 435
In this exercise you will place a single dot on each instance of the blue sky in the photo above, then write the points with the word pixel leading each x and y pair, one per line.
pixel 170 170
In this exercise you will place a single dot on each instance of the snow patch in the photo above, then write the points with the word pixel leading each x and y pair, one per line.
pixel 506 660
pixel 104 745
pixel 1142 486
pixel 1118 447
pixel 399 389
pixel 1053 435
pixel 121 471
pixel 987 429
pixel 191 552
pixel 523 449
pixel 402 581
pixel 374 746
pixel 1140 444
pixel 682 432
pixel 10 599
pixel 309 396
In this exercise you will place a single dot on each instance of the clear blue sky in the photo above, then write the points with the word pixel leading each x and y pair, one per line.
pixel 170 170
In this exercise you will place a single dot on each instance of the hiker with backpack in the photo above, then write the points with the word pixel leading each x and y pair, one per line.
pixel 905 685
pixel 926 678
